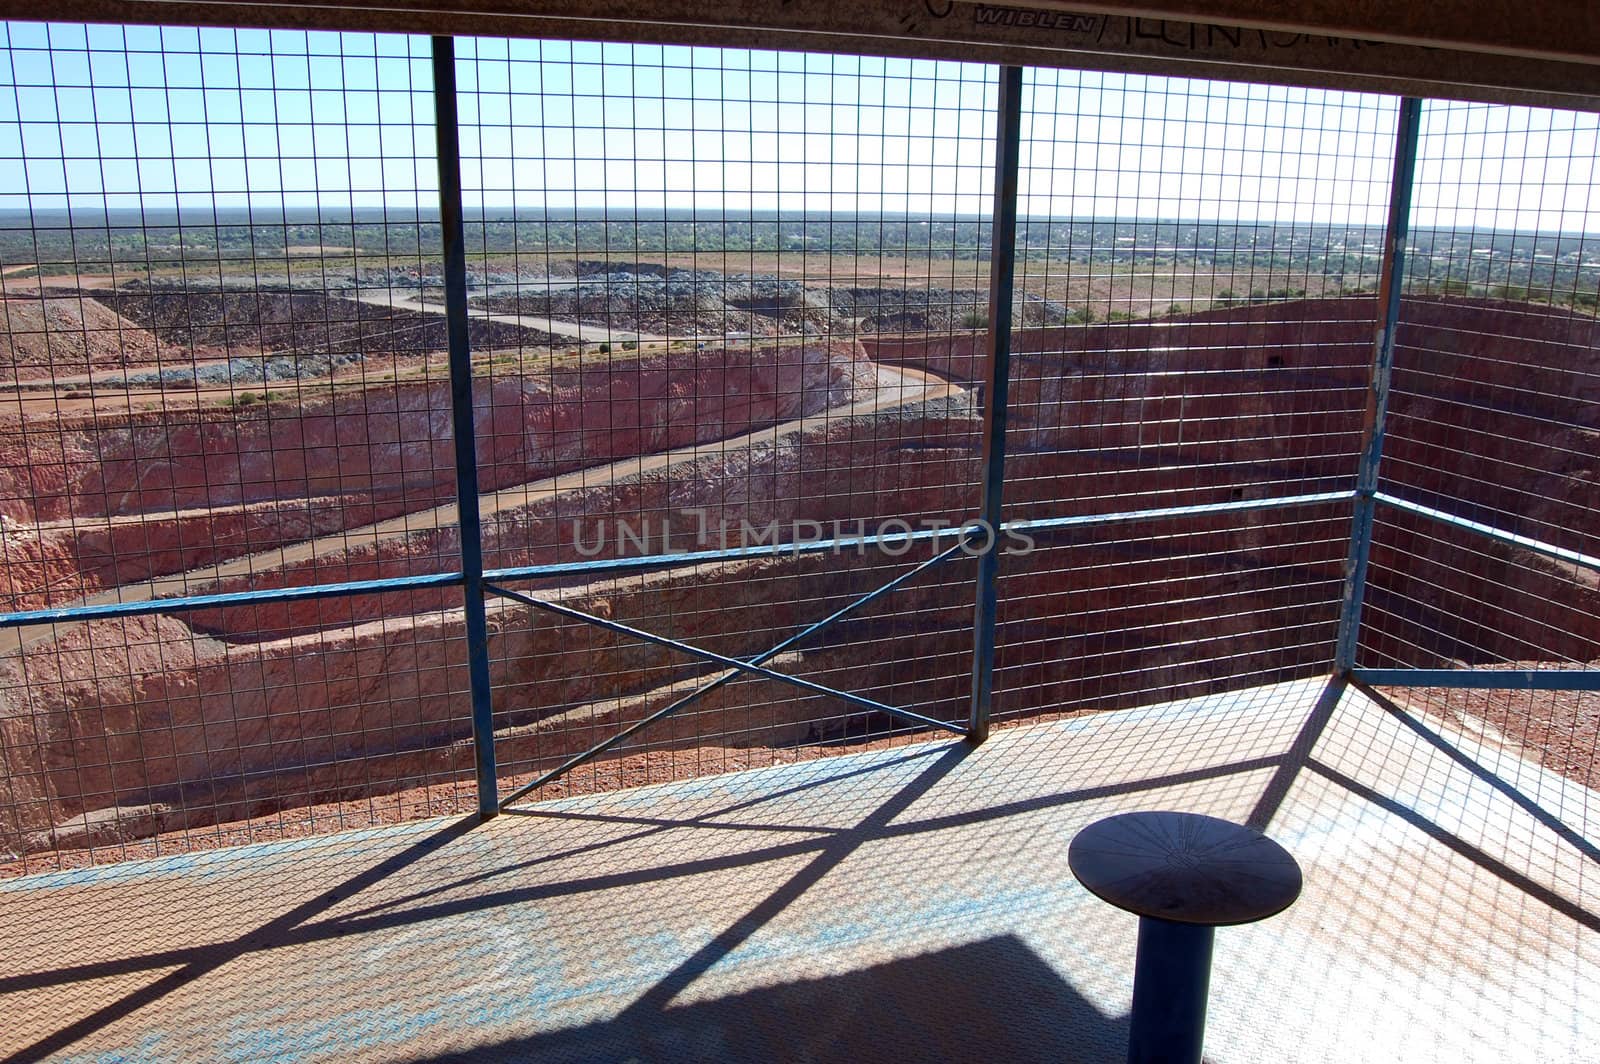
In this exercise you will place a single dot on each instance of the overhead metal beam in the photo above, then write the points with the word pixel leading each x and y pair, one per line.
pixel 1465 49
pixel 1552 29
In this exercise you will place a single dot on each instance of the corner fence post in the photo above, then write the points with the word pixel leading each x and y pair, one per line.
pixel 1391 279
pixel 453 238
pixel 1002 279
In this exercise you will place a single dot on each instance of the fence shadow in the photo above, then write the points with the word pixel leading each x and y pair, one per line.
pixel 995 999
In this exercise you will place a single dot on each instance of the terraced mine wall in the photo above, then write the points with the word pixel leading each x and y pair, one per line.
pixel 1481 424
pixel 1491 418
pixel 132 725
pixel 100 501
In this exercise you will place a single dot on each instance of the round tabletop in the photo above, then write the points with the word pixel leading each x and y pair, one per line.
pixel 1184 867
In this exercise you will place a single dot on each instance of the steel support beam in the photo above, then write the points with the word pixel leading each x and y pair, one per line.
pixel 644 563
pixel 1002 283
pixel 298 593
pixel 448 138
pixel 1278 502
pixel 1390 281
pixel 1556 29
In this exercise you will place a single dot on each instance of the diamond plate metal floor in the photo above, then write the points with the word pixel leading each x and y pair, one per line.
pixel 908 904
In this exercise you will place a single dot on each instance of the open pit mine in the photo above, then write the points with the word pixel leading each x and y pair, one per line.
pixel 335 471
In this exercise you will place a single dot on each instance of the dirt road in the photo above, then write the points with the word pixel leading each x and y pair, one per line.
pixel 410 299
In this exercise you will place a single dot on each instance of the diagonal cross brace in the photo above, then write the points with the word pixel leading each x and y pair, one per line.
pixel 736 668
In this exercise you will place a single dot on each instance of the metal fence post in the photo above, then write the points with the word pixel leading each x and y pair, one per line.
pixel 453 237
pixel 1391 278
pixel 1002 277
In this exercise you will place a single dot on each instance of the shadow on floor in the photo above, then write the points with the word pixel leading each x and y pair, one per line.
pixel 905 1010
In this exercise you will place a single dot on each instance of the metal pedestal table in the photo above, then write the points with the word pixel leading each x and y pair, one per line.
pixel 1183 875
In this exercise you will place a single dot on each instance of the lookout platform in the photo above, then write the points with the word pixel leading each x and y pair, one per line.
pixel 908 903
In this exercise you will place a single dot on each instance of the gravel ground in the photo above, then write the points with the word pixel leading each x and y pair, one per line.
pixel 1560 730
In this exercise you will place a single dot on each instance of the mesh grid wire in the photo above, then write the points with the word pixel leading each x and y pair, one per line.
pixel 212 386
pixel 1196 270
pixel 669 328
pixel 728 238
pixel 1493 418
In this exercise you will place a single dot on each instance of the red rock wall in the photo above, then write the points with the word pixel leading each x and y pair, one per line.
pixel 1249 402
pixel 1299 333
pixel 1495 417
pixel 379 451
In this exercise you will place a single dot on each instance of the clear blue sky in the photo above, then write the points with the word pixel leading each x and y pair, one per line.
pixel 129 116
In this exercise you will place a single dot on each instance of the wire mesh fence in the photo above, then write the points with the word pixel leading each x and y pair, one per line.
pixel 725 236
pixel 1497 343
pixel 1491 428
pixel 211 388
pixel 1493 410
pixel 722 349
pixel 728 317
pixel 1197 261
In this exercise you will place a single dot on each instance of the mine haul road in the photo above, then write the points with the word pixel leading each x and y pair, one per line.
pixel 411 299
